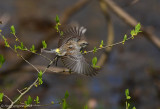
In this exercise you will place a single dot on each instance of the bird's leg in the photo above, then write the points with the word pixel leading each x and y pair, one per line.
pixel 54 61
pixel 57 60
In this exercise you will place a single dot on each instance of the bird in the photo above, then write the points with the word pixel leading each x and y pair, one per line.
pixel 69 49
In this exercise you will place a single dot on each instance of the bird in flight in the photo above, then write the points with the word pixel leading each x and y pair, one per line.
pixel 69 46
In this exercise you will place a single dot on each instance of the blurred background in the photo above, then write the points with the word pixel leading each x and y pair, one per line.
pixel 134 65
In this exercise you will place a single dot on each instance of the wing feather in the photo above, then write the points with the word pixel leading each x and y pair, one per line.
pixel 71 33
pixel 78 64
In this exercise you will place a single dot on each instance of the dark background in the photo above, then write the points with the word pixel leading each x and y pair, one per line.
pixel 135 65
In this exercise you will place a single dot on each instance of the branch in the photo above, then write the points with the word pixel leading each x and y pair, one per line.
pixel 55 70
pixel 28 88
pixel 34 83
pixel 69 12
pixel 110 35
pixel 8 98
pixel 66 15
pixel 132 22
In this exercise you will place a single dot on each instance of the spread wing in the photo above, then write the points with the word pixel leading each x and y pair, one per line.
pixel 78 64
pixel 71 33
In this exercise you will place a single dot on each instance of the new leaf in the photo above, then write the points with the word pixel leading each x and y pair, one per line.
pixel 44 44
pixel 66 95
pixel 85 107
pixel 40 77
pixel 125 38
pixel 13 30
pixel 1 97
pixel 2 60
pixel 33 49
pixel 127 94
pixel 29 101
pixel 37 100
pixel 57 19
pixel 94 50
pixel 137 28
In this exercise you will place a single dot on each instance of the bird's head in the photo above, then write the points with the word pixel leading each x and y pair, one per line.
pixel 83 43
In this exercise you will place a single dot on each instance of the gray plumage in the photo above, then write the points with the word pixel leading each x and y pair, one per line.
pixel 73 59
pixel 69 47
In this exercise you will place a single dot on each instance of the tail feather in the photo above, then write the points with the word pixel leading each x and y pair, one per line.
pixel 48 50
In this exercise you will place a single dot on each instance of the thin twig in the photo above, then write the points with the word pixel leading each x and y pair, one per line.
pixel 19 91
pixel 132 22
pixel 110 36
pixel 121 42
pixel 31 51
pixel 23 93
pixel 66 16
pixel 34 83
pixel 8 98
pixel 57 70
pixel 19 97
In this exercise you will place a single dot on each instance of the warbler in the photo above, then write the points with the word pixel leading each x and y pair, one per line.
pixel 69 50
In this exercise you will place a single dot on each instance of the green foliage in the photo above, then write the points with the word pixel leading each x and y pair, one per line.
pixel 0 30
pixel 40 81
pixel 33 49
pixel 85 107
pixel 29 101
pixel 57 28
pixel 128 98
pixel 135 31
pixel 57 19
pixel 66 95
pixel 13 30
pixel 5 41
pixel 101 45
pixel 94 62
pixel 94 50
pixel 125 38
pixel 134 107
pixel 52 102
pixel 64 104
pixel 57 25
pixel 61 33
pixel 137 28
pixel 37 100
pixel 21 47
pixel 1 97
pixel 44 44
pixel 85 52
pixel 2 60
pixel 127 94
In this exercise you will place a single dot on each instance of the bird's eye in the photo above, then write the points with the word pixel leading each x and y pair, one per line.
pixel 85 43
pixel 70 47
